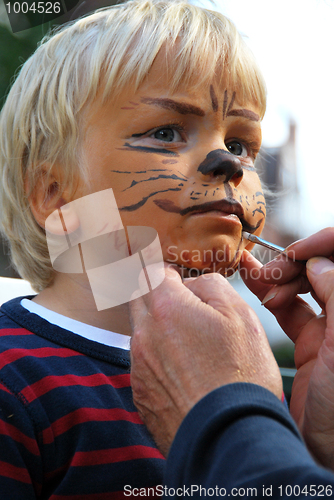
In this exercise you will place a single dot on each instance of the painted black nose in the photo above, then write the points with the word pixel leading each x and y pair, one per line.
pixel 223 163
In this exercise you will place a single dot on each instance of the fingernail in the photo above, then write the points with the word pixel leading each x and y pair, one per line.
pixel 270 295
pixel 271 263
pixel 319 265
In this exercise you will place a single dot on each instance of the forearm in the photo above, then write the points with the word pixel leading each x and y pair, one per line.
pixel 223 444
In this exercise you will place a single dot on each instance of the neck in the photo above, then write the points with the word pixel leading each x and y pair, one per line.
pixel 71 296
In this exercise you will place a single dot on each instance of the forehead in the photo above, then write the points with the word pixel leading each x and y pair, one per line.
pixel 173 71
pixel 157 94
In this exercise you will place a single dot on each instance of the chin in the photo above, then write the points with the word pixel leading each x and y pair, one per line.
pixel 223 268
pixel 221 259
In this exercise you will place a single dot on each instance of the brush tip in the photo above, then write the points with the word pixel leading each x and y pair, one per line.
pixel 245 235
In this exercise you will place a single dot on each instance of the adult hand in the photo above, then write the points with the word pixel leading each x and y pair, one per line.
pixel 276 284
pixel 189 339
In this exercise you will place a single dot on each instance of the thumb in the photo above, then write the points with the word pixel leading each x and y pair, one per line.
pixel 320 273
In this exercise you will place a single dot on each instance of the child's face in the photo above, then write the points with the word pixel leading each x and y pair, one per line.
pixel 182 163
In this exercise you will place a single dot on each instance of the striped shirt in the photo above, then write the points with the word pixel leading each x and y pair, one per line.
pixel 68 425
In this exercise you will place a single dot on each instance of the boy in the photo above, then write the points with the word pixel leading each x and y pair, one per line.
pixel 160 102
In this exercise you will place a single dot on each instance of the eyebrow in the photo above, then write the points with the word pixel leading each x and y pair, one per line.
pixel 181 107
pixel 245 113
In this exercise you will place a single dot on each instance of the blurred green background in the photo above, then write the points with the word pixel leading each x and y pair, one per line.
pixel 15 48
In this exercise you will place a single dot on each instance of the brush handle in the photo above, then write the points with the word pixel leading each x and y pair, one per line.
pixel 264 243
pixel 267 244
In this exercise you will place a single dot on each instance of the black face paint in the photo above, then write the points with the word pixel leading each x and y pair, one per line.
pixel 249 227
pixel 138 135
pixel 135 206
pixel 258 210
pixel 214 100
pixel 225 103
pixel 231 104
pixel 145 149
pixel 228 190
pixel 182 108
pixel 221 163
pixel 245 113
pixel 139 171
pixel 225 205
pixel 165 162
pixel 150 179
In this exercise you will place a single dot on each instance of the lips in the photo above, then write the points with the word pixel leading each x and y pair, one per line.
pixel 227 206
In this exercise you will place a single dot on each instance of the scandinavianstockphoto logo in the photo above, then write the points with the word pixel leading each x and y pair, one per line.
pixel 87 236
pixel 215 258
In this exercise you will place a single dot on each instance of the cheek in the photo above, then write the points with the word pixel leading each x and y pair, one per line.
pixel 253 199
pixel 257 208
pixel 153 217
pixel 118 170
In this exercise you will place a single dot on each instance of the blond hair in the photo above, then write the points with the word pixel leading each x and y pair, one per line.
pixel 113 47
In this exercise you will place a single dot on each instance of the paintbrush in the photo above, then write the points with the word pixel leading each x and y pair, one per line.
pixel 267 244
pixel 264 243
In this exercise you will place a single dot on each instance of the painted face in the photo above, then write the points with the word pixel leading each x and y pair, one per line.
pixel 182 163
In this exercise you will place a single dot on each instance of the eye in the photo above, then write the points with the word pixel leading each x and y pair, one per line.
pixel 167 134
pixel 237 148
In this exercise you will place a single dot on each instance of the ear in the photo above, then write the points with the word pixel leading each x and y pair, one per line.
pixel 47 198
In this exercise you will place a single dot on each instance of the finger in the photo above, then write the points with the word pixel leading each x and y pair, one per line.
pixel 167 277
pixel 291 318
pixel 140 305
pixel 249 269
pixel 320 243
pixel 283 295
pixel 282 269
pixel 310 340
pixel 320 272
pixel 207 286
pixel 213 289
pixel 319 302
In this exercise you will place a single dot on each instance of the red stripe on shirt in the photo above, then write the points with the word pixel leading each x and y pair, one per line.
pixel 4 388
pixel 18 473
pixel 7 429
pixel 50 382
pixel 112 455
pixel 7 332
pixel 83 415
pixel 12 355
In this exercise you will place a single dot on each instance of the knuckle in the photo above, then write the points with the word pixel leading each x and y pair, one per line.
pixel 161 308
